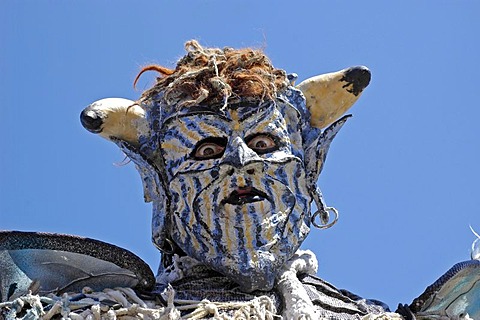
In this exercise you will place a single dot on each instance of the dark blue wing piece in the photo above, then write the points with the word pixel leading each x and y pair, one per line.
pixel 58 263
pixel 453 295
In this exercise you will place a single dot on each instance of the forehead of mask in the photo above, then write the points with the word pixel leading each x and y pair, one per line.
pixel 184 132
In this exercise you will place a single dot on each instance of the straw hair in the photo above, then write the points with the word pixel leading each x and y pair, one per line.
pixel 213 76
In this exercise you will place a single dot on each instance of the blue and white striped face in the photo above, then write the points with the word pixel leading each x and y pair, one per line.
pixel 239 198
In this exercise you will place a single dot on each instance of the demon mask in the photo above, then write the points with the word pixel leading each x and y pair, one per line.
pixel 229 151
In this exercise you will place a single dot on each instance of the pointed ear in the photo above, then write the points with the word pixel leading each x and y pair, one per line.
pixel 330 95
pixel 316 152
pixel 154 192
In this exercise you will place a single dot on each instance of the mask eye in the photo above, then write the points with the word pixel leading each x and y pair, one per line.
pixel 262 143
pixel 209 148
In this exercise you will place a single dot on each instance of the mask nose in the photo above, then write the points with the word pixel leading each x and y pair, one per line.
pixel 239 156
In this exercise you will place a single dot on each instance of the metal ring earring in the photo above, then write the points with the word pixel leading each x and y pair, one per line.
pixel 323 211
pixel 325 218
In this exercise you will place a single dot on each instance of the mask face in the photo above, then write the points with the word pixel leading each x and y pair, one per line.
pixel 238 195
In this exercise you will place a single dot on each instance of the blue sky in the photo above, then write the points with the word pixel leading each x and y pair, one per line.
pixel 403 172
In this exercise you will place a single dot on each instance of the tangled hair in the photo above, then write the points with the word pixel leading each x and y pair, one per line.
pixel 214 76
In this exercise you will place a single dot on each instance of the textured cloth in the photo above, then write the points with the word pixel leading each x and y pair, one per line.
pixel 298 293
pixel 336 304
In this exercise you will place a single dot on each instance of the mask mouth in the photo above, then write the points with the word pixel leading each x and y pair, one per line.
pixel 245 195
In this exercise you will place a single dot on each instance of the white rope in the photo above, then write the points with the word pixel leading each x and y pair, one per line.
pixel 91 307
pixel 298 305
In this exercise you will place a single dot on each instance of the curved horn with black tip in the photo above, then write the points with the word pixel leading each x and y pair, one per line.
pixel 330 95
pixel 118 118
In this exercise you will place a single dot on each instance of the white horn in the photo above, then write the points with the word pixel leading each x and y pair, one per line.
pixel 118 118
pixel 330 95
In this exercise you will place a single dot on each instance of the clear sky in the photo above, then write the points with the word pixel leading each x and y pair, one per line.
pixel 403 172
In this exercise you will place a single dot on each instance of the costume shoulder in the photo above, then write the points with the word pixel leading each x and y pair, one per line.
pixel 298 293
pixel 333 303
